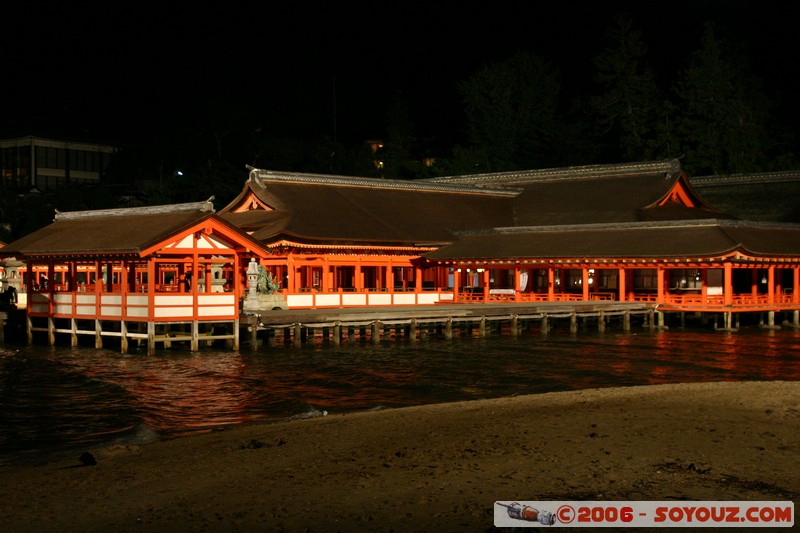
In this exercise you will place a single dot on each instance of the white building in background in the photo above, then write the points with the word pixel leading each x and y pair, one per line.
pixel 49 164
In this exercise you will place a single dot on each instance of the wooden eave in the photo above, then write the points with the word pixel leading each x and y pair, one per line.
pixel 701 240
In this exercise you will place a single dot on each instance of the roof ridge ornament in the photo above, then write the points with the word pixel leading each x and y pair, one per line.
pixel 202 207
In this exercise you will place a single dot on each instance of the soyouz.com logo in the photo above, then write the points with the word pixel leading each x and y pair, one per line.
pixel 643 514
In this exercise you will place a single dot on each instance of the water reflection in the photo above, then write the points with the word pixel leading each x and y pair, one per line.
pixel 55 399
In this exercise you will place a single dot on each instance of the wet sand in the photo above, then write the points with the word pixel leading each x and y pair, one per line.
pixel 437 467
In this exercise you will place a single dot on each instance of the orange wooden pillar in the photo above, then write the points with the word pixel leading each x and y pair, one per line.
pixel 796 285
pixel 622 285
pixel 389 278
pixel 771 285
pixel 290 281
pixel 517 283
pixel 358 282
pixel 456 275
pixel 585 282
pixel 728 283
pixel 551 284
pixel 660 284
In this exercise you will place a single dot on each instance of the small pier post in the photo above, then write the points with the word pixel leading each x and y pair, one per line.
pixel 573 323
pixel 123 336
pixel 151 337
pixel 448 329
pixel 545 325
pixel 337 333
pixel 298 334
pixel 253 330
pixel 376 331
pixel 195 342
pixel 514 325
pixel 626 321
pixel 601 322
pixel 412 329
pixel 661 317
pixel 482 327
pixel 98 335
pixel 74 332
pixel 51 331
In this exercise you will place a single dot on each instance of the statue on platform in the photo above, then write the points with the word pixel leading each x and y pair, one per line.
pixel 266 281
pixel 262 294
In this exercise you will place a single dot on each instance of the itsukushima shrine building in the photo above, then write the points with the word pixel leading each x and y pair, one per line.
pixel 633 232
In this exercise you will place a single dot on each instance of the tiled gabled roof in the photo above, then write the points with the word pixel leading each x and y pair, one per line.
pixel 309 207
pixel 594 193
pixel 107 232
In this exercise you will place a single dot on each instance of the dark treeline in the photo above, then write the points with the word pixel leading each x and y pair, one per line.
pixel 713 112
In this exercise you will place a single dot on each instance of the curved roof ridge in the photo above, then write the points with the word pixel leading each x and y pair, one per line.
pixel 668 167
pixel 260 176
pixel 633 225
pixel 752 177
pixel 201 207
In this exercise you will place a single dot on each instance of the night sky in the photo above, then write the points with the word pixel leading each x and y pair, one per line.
pixel 131 73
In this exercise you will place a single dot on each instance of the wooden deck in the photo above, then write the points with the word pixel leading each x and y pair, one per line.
pixel 298 326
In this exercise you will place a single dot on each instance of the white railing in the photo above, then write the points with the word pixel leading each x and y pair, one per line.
pixel 84 305
pixel 313 300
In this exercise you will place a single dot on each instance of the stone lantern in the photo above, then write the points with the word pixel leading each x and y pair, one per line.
pixel 252 279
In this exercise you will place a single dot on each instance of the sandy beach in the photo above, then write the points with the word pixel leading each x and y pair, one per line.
pixel 438 467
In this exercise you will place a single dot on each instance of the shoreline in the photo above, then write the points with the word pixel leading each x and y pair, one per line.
pixel 434 466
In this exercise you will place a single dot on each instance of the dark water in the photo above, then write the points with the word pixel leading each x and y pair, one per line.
pixel 62 400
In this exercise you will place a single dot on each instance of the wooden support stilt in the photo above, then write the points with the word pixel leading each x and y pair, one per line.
pixel 337 334
pixel 626 321
pixel 573 323
pixel 233 342
pixel 545 327
pixel 51 332
pixel 253 331
pixel 151 338
pixel 98 334
pixel 73 326
pixel 195 342
pixel 482 327
pixel 376 331
pixel 514 325
pixel 298 334
pixel 601 322
pixel 123 337
pixel 412 329
pixel 448 329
